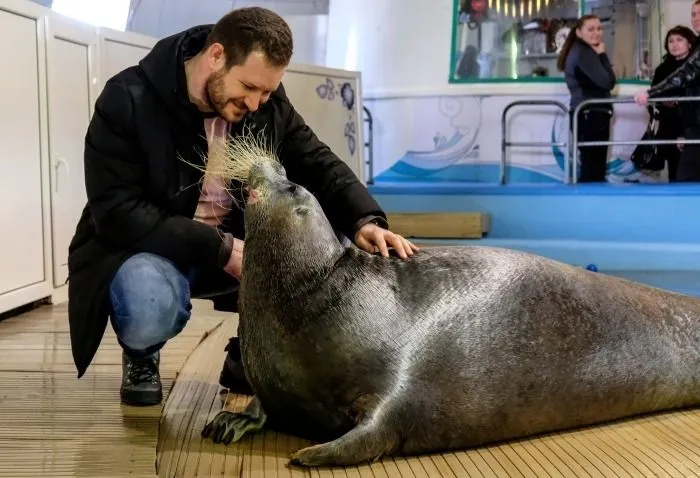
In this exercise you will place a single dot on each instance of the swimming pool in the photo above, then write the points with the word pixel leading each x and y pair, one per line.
pixel 682 282
pixel 646 233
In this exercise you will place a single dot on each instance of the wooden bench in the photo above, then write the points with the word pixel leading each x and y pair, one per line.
pixel 440 225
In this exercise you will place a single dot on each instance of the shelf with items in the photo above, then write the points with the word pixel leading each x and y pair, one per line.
pixel 512 40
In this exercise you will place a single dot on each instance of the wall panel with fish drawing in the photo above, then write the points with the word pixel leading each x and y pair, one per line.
pixel 330 101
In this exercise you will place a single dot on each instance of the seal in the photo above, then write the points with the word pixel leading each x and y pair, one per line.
pixel 453 348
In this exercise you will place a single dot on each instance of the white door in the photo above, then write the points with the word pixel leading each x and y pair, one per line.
pixel 72 76
pixel 120 50
pixel 23 200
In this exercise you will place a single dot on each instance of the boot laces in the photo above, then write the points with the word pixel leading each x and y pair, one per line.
pixel 142 371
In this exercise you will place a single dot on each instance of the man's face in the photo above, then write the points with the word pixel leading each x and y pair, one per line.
pixel 695 17
pixel 241 89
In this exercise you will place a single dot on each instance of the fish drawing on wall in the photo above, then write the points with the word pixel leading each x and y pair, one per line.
pixel 327 91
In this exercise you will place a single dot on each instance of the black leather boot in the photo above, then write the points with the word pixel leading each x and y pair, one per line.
pixel 141 380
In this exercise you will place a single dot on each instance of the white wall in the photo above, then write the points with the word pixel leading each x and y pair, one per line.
pixel 307 20
pixel 675 12
pixel 396 45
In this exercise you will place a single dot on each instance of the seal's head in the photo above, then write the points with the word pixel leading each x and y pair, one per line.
pixel 285 225
pixel 284 215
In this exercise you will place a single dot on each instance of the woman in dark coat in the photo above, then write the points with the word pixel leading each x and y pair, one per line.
pixel 684 81
pixel 678 43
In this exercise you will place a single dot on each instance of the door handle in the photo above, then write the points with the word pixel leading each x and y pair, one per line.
pixel 57 162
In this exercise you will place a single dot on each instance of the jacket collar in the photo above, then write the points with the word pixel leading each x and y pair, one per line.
pixel 164 68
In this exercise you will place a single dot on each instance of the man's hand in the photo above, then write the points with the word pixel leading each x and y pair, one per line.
pixel 373 238
pixel 641 98
pixel 235 262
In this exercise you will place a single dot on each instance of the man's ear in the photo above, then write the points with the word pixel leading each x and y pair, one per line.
pixel 216 57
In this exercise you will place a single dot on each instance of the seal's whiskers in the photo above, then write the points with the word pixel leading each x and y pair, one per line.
pixel 243 152
pixel 232 160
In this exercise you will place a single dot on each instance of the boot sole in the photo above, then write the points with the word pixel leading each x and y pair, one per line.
pixel 141 399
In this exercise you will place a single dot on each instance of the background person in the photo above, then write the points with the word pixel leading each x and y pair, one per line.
pixel 678 43
pixel 588 74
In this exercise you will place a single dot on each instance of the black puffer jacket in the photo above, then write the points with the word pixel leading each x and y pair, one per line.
pixel 683 82
pixel 670 117
pixel 140 194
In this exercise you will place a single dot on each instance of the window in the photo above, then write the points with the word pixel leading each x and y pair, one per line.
pixel 519 39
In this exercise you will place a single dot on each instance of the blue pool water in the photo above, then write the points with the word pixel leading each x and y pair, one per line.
pixel 682 282
pixel 646 233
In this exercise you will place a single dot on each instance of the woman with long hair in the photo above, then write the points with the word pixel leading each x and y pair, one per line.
pixel 678 43
pixel 589 74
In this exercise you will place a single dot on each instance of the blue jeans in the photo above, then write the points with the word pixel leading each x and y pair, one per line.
pixel 151 301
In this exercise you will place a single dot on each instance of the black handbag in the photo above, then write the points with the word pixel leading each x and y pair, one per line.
pixel 647 156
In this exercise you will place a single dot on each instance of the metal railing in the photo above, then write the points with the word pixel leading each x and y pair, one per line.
pixel 575 144
pixel 369 146
pixel 505 144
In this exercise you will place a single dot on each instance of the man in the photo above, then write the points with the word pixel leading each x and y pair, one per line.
pixel 151 237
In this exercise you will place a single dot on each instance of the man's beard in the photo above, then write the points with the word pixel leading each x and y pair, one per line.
pixel 215 98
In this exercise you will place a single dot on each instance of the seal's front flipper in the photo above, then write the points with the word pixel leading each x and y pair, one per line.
pixel 368 441
pixel 227 427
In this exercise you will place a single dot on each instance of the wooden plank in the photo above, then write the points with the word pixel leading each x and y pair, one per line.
pixel 461 225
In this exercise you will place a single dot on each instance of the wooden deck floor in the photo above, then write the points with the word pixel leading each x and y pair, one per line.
pixel 54 425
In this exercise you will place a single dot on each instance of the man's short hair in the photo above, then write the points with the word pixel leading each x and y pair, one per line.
pixel 249 29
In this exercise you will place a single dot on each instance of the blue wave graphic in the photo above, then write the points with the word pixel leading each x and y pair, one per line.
pixel 445 155
pixel 444 164
pixel 402 172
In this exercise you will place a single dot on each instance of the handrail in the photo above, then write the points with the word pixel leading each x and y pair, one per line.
pixel 505 143
pixel 576 144
pixel 369 144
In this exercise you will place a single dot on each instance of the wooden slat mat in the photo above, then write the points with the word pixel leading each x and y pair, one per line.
pixel 660 445
pixel 54 425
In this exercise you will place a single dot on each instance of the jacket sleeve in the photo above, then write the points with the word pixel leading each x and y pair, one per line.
pixel 686 74
pixel 116 181
pixel 597 68
pixel 308 161
pixel 656 79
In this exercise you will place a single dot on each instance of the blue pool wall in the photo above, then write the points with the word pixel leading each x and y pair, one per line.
pixel 618 227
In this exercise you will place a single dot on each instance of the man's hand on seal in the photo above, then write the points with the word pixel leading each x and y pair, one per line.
pixel 373 238
pixel 235 262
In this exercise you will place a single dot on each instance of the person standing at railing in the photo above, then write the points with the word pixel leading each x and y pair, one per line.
pixel 678 43
pixel 588 75
pixel 684 81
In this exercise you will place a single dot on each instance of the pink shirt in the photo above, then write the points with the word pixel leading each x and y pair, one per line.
pixel 214 202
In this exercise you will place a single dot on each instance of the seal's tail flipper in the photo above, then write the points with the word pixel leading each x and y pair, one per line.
pixel 368 441
pixel 227 427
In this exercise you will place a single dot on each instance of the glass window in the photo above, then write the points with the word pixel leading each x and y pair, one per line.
pixel 520 39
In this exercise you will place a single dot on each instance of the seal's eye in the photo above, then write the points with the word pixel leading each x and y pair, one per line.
pixel 301 211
